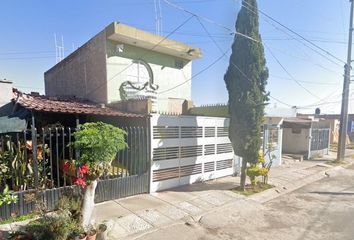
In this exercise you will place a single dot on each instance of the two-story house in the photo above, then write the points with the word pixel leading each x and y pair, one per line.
pixel 122 63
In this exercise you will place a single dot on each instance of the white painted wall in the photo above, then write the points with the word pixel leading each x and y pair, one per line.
pixel 5 92
pixel 189 121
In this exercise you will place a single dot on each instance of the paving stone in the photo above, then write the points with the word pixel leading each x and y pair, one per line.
pixel 189 208
pixel 172 212
pixel 140 202
pixel 133 224
pixel 199 202
pixel 154 217
pixel 217 198
pixel 115 231
pixel 108 210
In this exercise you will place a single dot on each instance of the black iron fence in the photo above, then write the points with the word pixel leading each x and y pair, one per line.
pixel 34 160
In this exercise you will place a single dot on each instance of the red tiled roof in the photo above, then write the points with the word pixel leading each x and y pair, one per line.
pixel 69 106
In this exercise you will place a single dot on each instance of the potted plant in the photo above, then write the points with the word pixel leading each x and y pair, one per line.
pixel 82 236
pixel 91 233
pixel 102 232
pixel 98 144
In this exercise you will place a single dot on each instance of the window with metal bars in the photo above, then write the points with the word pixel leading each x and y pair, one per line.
pixel 224 148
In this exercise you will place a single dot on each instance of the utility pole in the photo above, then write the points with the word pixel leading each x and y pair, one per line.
pixel 345 95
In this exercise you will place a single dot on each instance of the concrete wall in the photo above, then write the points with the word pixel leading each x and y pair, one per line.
pixel 166 74
pixel 296 143
pixel 81 74
pixel 5 92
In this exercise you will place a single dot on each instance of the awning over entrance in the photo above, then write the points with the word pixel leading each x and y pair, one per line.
pixel 12 124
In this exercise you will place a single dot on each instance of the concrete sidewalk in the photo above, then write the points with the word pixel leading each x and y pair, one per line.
pixel 135 216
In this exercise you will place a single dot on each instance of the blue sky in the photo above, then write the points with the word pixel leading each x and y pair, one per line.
pixel 27 47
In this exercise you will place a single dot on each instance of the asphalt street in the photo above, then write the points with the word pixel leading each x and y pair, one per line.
pixel 320 210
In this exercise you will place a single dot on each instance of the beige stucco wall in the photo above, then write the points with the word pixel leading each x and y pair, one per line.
pixel 81 74
pixel 166 74
pixel 96 71
pixel 295 143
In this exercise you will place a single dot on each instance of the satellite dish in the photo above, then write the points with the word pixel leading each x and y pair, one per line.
pixel 317 111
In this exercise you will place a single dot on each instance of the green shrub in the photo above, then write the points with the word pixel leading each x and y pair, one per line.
pixel 54 227
pixel 257 169
pixel 6 197
pixel 98 143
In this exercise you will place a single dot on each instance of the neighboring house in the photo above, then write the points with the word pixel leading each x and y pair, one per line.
pixel 123 63
pixel 6 109
pixel 334 120
pixel 306 137
pixel 5 92
pixel 40 131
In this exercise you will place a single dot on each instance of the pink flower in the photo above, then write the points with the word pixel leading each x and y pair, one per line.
pixel 66 167
pixel 79 182
pixel 84 169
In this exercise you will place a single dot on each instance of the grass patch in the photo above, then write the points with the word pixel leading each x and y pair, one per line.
pixel 18 219
pixel 252 189
pixel 336 162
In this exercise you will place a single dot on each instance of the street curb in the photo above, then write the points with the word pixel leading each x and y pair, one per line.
pixel 278 191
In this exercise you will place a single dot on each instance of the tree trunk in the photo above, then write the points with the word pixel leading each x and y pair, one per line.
pixel 88 204
pixel 243 174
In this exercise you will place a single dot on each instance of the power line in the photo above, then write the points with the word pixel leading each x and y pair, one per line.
pixel 210 21
pixel 290 75
pixel 24 58
pixel 292 31
pixel 237 33
pixel 293 38
pixel 302 81
pixel 198 73
pixel 303 59
pixel 148 50
pixel 217 45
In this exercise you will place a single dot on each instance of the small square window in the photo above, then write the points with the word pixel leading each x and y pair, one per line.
pixel 296 130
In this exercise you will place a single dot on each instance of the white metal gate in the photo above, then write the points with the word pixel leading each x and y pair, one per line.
pixel 188 149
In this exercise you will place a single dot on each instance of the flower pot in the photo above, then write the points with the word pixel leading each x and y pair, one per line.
pixel 81 237
pixel 91 237
pixel 102 232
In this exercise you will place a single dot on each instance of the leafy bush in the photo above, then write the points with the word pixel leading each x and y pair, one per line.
pixel 6 197
pixel 257 169
pixel 53 227
pixel 98 143
pixel 72 204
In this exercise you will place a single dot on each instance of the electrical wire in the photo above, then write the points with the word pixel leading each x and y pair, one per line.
pixel 249 6
pixel 198 73
pixel 210 21
pixel 245 75
pixel 148 50
pixel 289 74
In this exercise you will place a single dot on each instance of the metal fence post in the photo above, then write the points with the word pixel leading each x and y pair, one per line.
pixel 34 151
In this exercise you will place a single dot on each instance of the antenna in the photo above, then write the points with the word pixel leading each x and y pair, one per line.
pixel 59 49
pixel 158 16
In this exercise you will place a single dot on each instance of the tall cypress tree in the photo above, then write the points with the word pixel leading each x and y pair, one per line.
pixel 246 78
